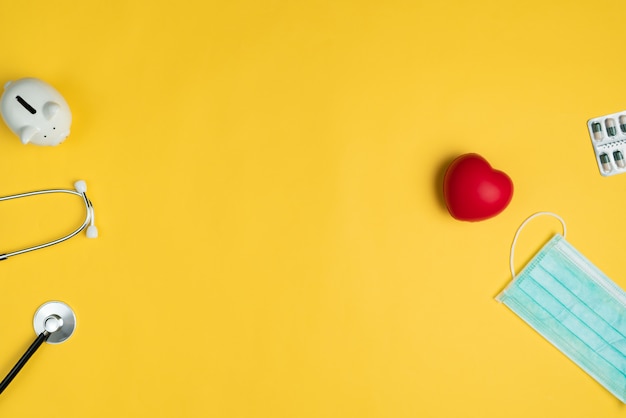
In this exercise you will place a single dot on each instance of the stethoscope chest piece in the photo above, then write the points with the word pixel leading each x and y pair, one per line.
pixel 57 319
pixel 54 323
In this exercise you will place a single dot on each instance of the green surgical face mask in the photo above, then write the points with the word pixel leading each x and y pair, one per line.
pixel 575 306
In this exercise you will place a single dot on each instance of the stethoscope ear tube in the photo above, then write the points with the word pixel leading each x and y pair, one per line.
pixel 88 223
pixel 22 361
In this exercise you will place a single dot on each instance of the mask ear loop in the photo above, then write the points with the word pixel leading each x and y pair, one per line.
pixel 530 218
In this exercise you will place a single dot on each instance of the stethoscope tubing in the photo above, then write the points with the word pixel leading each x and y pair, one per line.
pixel 89 219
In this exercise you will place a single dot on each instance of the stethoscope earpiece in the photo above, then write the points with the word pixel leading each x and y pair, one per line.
pixel 88 224
pixel 92 231
pixel 80 186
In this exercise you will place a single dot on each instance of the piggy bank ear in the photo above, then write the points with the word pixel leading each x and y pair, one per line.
pixel 27 133
pixel 50 109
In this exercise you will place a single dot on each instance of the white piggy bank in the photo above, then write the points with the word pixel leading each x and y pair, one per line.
pixel 35 112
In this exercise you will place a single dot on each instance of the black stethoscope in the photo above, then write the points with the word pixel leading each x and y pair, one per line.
pixel 54 321
pixel 88 223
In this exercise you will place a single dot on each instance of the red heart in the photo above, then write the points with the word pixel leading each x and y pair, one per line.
pixel 474 191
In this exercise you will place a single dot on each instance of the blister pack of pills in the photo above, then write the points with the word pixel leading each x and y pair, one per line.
pixel 608 137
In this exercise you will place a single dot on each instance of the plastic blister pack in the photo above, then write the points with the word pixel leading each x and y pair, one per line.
pixel 608 137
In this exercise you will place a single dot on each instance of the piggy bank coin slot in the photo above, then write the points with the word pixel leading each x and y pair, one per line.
pixel 26 105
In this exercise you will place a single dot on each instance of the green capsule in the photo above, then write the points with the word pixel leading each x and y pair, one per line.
pixel 619 159
pixel 611 130
pixel 622 123
pixel 596 128
pixel 606 162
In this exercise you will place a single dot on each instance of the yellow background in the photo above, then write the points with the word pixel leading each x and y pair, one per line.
pixel 266 178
